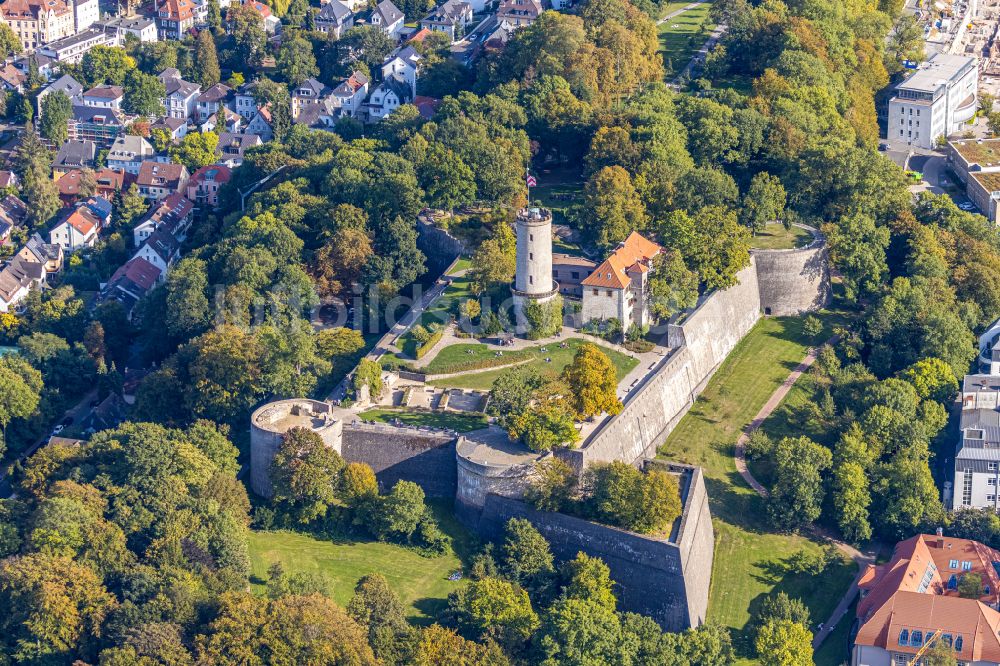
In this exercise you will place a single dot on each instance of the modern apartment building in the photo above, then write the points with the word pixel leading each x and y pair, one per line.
pixel 935 101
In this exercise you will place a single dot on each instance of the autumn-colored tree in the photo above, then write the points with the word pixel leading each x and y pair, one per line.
pixel 593 382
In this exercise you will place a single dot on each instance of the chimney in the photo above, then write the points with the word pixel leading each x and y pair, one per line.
pixel 940 537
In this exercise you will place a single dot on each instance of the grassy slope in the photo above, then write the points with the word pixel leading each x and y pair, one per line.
pixel 682 36
pixel 457 421
pixel 421 582
pixel 750 562
pixel 484 380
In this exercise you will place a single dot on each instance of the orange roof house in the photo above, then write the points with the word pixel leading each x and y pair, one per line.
pixel 617 288
pixel 914 595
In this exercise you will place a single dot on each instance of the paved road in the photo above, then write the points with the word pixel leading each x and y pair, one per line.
pixel 702 53
pixel 862 559
pixel 78 412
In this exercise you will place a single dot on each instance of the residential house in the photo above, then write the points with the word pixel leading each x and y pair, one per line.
pixel 182 96
pixel 8 179
pixel 18 277
pixel 13 211
pixel 308 92
pixel 128 152
pixel 111 181
pixel 161 249
pixel 450 17
pixel 335 18
pixel 75 228
pixel 387 17
pixel 69 187
pixel 244 102
pixel 272 24
pixel 260 124
pixel 404 63
pixel 157 180
pixel 211 100
pixel 205 183
pixel 11 78
pixel 349 96
pixel 104 97
pixel 913 600
pixel 47 67
pixel 130 283
pixel 74 155
pixel 232 147
pixel 173 215
pixel 48 255
pixel 140 27
pixel 519 13
pixel 37 22
pixel 392 93
pixel 224 120
pixel 85 14
pixel 72 48
pixel 619 287
pixel 427 106
pixel 176 128
pixel 65 84
pixel 102 126
pixel 174 18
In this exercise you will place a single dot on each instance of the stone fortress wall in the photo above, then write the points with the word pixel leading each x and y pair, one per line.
pixel 666 578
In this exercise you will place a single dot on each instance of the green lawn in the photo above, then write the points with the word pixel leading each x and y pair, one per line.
pixel 777 237
pixel 750 562
pixel 446 307
pixel 455 359
pixel 557 197
pixel 682 36
pixel 421 582
pixel 834 650
pixel 457 421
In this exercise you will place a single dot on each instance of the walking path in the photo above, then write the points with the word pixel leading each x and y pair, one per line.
pixel 862 559
pixel 680 11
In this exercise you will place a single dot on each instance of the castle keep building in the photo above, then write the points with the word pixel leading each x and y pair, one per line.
pixel 533 281
pixel 619 287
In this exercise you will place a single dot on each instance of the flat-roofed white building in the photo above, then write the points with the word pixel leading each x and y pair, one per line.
pixel 935 101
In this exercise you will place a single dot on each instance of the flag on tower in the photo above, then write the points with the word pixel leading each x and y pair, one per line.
pixel 531 181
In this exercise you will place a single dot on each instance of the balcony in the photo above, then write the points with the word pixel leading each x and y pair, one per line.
pixel 965 110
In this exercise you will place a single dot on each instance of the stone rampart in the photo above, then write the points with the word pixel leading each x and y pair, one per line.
pixel 701 343
pixel 426 458
pixel 794 281
pixel 665 579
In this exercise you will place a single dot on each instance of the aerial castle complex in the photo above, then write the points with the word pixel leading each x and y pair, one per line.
pixel 667 579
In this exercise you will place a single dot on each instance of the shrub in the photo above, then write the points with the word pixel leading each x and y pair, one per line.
pixel 642 502
pixel 543 319
pixel 553 487
pixel 428 345
pixel 812 327
pixel 758 445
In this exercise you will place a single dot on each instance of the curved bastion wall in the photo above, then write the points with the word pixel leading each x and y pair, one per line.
pixel 794 281
pixel 269 423
pixel 486 469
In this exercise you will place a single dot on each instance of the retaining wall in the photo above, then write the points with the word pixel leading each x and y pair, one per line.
pixel 667 580
pixel 408 454
pixel 701 343
pixel 440 247
pixel 793 282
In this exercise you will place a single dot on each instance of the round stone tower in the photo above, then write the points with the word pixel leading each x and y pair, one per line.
pixel 533 277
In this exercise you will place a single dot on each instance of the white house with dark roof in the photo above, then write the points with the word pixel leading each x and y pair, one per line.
pixel 349 96
pixel 232 146
pixel 335 18
pixel 403 63
pixel 128 152
pixel 104 97
pixel 65 84
pixel 182 96
pixel 211 100
pixel 388 18
pixel 450 17
pixel 392 93
pixel 260 124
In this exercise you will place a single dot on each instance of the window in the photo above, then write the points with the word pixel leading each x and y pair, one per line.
pixel 531 279
pixel 610 293
pixel 596 292
pixel 916 638
pixel 575 274
pixel 531 255
pixel 958 643
pixel 991 466
pixel 992 481
pixel 991 498
pixel 531 236
pixel 952 564
pixel 967 488
pixel 904 637
pixel 953 582
pixel 946 639
pixel 966 565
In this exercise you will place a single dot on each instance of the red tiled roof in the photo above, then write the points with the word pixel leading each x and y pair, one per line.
pixel 633 255
pixel 139 271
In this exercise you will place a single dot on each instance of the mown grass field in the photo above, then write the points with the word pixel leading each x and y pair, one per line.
pixel 682 36
pixel 456 358
pixel 421 582
pixel 777 237
pixel 750 561
pixel 457 421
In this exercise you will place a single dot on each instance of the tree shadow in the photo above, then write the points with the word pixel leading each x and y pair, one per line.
pixel 432 609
